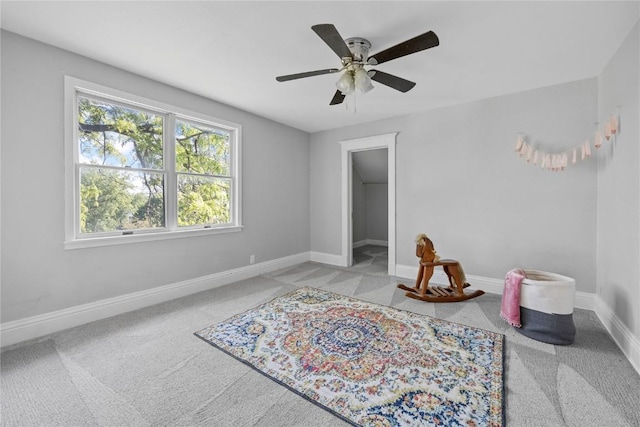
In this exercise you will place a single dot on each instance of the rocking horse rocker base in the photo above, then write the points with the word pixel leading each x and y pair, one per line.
pixel 428 261
pixel 452 293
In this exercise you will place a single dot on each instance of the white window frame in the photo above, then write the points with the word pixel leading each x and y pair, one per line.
pixel 73 240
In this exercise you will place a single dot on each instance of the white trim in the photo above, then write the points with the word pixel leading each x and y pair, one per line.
pixel 387 141
pixel 583 300
pixel 37 326
pixel 73 87
pixel 171 179
pixel 622 336
pixel 323 258
pixel 377 242
pixel 147 237
pixel 359 244
pixel 366 242
pixel 70 158
pixel 619 332
pixel 40 325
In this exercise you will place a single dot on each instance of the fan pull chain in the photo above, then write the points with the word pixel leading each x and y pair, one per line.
pixel 346 103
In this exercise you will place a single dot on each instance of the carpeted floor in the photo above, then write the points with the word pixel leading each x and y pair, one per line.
pixel 147 367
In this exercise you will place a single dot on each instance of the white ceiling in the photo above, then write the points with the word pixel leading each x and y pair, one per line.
pixel 231 52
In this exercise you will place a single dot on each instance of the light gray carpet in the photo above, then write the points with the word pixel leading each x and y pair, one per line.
pixel 147 367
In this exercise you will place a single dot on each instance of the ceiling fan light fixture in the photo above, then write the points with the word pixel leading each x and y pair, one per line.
pixel 345 83
pixel 362 80
pixel 354 56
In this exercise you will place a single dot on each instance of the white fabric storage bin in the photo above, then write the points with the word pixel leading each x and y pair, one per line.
pixel 546 307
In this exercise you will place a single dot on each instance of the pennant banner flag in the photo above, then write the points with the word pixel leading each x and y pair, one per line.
pixel 559 161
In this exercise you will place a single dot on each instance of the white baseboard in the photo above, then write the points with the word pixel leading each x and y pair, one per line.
pixel 406 271
pixel 628 343
pixel 330 259
pixel 370 242
pixel 359 244
pixel 583 300
pixel 339 260
pixel 37 326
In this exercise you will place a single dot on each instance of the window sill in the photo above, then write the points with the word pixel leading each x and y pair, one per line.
pixel 146 237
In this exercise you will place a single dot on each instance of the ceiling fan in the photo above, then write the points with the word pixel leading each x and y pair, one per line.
pixel 354 54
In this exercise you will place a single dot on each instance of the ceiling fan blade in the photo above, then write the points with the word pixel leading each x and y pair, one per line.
pixel 333 39
pixel 337 98
pixel 416 44
pixel 392 81
pixel 306 74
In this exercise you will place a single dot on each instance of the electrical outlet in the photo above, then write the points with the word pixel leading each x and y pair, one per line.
pixel 252 259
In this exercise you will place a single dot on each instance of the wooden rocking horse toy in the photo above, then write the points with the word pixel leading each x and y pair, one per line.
pixel 428 261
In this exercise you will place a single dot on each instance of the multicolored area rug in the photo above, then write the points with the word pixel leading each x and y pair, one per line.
pixel 369 364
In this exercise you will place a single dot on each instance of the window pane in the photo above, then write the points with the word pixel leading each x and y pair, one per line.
pixel 201 149
pixel 203 200
pixel 112 200
pixel 113 135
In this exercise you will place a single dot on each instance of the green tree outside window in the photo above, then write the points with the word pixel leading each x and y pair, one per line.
pixel 123 175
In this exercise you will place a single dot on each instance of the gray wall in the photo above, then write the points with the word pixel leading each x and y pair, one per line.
pixel 619 187
pixel 359 208
pixel 459 181
pixel 39 276
pixel 369 210
pixel 377 211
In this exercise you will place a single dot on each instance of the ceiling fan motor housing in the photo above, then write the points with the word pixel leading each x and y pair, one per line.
pixel 359 47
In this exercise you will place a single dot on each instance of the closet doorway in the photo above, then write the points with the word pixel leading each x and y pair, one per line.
pixel 359 148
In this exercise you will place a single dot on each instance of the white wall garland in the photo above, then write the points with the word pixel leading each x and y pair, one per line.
pixel 559 161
